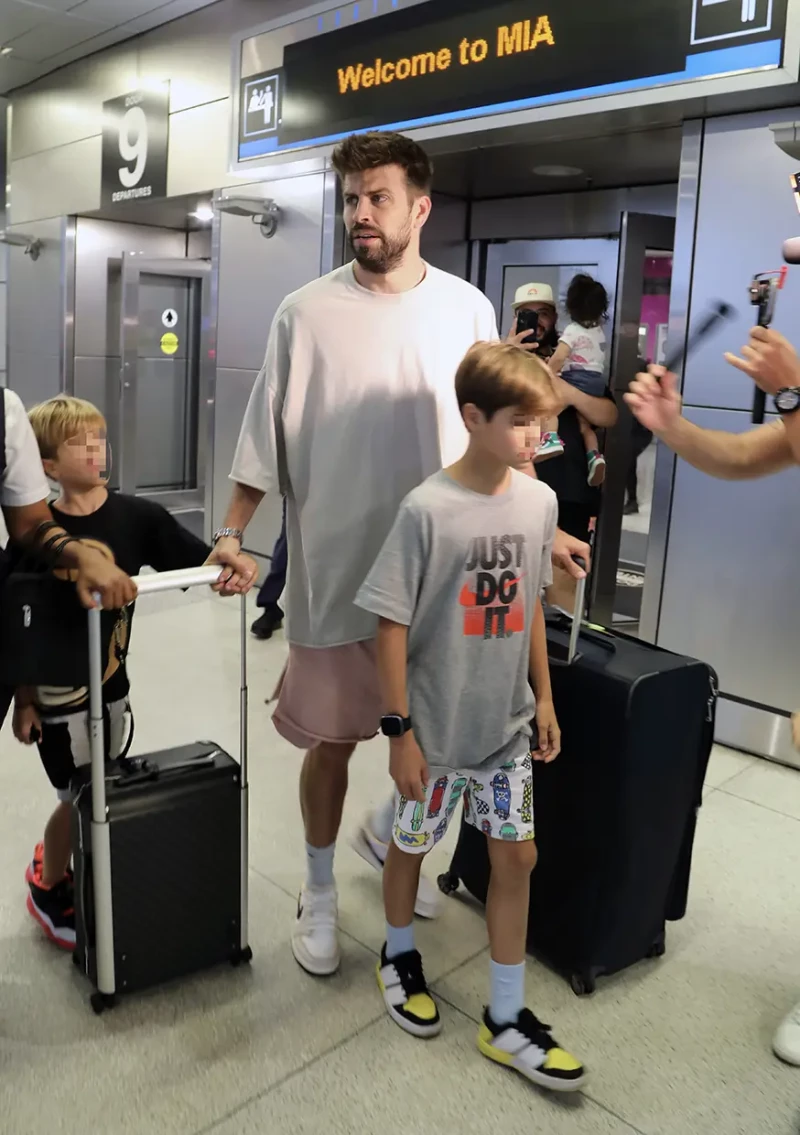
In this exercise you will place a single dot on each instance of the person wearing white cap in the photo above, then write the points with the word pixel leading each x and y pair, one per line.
pixel 578 502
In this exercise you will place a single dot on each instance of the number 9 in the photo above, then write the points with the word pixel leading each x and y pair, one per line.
pixel 133 145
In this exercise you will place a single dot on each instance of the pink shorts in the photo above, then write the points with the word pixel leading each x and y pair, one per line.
pixel 328 694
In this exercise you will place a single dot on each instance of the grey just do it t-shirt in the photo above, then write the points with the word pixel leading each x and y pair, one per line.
pixel 463 571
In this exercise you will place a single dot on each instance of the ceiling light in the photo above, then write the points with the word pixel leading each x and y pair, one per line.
pixel 6 50
pixel 203 213
pixel 557 171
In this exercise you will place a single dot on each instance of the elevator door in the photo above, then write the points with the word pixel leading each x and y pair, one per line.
pixel 160 420
pixel 167 392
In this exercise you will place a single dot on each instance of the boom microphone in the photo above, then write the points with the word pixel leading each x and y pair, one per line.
pixel 719 312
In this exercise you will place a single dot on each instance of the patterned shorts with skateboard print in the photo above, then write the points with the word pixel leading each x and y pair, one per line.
pixel 499 802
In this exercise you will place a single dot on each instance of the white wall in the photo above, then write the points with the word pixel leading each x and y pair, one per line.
pixel 56 124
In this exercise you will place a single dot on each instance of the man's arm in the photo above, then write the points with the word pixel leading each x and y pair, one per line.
pixel 255 464
pixel 602 413
pixel 730 457
pixel 655 401
pixel 241 570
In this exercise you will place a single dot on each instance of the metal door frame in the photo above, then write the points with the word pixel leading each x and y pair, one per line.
pixel 124 399
pixel 638 233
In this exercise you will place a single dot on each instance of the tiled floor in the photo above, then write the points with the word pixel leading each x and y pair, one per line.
pixel 677 1047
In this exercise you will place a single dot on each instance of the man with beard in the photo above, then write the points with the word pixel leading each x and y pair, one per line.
pixel 355 406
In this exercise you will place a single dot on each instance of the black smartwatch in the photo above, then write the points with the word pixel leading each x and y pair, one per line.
pixel 787 401
pixel 393 725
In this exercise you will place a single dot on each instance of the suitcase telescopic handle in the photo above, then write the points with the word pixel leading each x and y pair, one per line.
pixel 577 613
pixel 150 584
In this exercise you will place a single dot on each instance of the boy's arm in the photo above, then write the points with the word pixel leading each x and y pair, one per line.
pixel 546 723
pixel 169 546
pixel 407 765
pixel 391 591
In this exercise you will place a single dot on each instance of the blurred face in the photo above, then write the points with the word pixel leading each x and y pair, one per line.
pixel 547 316
pixel 81 461
pixel 511 437
pixel 383 217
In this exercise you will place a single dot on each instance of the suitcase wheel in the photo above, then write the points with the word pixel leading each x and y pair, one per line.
pixel 658 949
pixel 102 1001
pixel 238 957
pixel 582 984
pixel 448 883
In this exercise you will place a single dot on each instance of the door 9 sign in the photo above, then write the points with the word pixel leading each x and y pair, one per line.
pixel 135 145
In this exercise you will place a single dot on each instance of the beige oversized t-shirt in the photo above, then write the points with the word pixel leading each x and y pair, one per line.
pixel 354 407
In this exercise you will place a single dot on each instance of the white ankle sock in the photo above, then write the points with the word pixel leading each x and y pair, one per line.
pixel 319 863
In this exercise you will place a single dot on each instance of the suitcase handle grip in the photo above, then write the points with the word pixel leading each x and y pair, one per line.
pixel 155 581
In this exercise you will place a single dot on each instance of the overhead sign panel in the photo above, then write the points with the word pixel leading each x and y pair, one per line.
pixel 451 59
pixel 135 145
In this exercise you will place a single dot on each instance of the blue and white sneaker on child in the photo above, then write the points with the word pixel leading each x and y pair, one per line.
pixel 551 445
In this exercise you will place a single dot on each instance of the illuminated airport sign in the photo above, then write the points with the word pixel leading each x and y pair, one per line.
pixel 446 60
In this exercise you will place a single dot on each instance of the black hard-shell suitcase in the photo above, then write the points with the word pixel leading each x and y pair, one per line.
pixel 615 813
pixel 159 847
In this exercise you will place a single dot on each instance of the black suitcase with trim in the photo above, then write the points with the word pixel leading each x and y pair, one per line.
pixel 615 813
pixel 159 847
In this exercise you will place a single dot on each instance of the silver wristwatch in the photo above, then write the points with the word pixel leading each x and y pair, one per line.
pixel 222 533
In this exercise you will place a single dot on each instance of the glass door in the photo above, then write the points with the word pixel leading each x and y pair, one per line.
pixel 639 332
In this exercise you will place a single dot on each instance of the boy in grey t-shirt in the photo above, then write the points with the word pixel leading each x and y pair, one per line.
pixel 461 642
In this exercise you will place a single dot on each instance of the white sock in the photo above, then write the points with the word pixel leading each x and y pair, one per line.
pixel 381 821
pixel 319 862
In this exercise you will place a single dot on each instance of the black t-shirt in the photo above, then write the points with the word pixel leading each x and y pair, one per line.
pixel 567 474
pixel 140 534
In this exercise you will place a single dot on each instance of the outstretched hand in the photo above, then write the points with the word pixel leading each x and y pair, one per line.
pixel 654 400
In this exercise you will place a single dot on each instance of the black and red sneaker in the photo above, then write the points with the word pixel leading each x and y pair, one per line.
pixel 34 868
pixel 52 907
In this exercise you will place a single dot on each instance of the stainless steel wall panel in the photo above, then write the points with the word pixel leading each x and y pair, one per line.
pixel 198 244
pixel 56 182
pixel 731 573
pixel 233 392
pixel 35 315
pixel 198 149
pixel 564 215
pixel 756 731
pixel 256 274
pixel 444 238
pixel 193 53
pixel 745 213
pixel 67 106
pixel 679 305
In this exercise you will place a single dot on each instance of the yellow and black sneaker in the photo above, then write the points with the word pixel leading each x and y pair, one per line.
pixel 528 1048
pixel 405 992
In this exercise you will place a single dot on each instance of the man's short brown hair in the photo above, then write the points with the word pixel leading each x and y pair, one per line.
pixel 378 148
pixel 494 376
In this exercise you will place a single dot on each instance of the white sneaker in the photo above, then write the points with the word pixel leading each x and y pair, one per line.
pixel 315 939
pixel 786 1044
pixel 374 851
